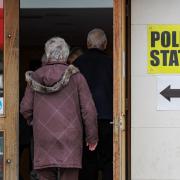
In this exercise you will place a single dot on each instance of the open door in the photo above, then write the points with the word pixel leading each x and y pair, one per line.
pixel 9 85
pixel 119 90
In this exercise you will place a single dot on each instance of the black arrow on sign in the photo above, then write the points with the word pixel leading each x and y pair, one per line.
pixel 169 93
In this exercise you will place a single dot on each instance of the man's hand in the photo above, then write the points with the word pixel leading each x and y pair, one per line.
pixel 92 147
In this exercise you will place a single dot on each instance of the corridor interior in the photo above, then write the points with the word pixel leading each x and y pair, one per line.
pixel 36 27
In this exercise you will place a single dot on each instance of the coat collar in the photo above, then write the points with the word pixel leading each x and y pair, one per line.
pixel 64 80
pixel 55 62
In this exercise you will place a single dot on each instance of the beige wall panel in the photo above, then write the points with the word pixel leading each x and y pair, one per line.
pixel 144 105
pixel 159 160
pixel 155 11
pixel 155 145
pixel 139 50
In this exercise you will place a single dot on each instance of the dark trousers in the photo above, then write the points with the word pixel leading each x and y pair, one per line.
pixel 101 158
pixel 58 174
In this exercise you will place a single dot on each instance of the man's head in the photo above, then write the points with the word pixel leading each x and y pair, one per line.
pixel 97 39
pixel 74 54
pixel 56 50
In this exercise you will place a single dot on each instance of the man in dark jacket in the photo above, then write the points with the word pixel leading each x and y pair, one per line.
pixel 97 68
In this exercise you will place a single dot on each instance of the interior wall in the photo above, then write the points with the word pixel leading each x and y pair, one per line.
pixel 72 24
pixel 66 3
pixel 155 134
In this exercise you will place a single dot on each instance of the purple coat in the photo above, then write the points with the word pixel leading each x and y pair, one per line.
pixel 57 102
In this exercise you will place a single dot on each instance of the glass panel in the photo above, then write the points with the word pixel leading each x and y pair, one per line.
pixel 1 155
pixel 1 55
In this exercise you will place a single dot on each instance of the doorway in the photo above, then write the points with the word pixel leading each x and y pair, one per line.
pixel 9 121
pixel 36 27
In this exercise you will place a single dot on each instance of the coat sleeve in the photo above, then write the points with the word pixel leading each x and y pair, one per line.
pixel 88 111
pixel 26 105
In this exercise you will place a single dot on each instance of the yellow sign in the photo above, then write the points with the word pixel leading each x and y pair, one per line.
pixel 164 49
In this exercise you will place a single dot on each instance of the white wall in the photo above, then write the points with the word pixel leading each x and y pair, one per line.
pixel 155 134
pixel 66 3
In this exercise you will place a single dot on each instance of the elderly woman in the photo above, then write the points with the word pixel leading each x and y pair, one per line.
pixel 58 103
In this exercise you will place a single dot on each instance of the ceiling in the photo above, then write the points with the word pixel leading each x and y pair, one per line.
pixel 73 24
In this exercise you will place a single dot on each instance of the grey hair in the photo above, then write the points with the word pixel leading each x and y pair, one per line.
pixel 96 38
pixel 57 49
